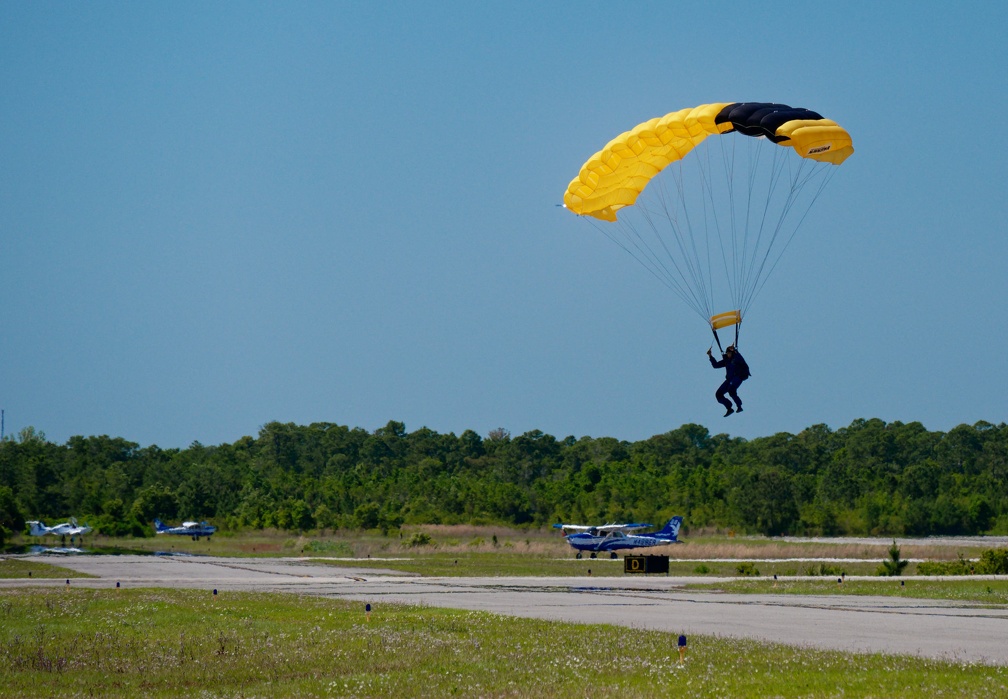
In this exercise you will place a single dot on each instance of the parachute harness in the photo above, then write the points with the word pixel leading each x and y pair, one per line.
pixel 723 320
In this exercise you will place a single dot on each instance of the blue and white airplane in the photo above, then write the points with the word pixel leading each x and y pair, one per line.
pixel 614 537
pixel 71 529
pixel 193 529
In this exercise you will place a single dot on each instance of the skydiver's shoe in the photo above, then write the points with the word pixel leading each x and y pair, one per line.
pixel 738 409
pixel 728 412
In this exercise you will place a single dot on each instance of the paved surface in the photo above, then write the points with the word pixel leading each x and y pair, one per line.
pixel 928 628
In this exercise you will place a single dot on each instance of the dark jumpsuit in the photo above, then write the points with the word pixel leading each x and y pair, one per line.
pixel 735 374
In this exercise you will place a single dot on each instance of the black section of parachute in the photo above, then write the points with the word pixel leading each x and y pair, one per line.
pixel 762 118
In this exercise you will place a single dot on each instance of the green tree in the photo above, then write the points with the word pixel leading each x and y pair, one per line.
pixel 366 515
pixel 765 503
pixel 301 516
pixel 895 565
pixel 154 502
pixel 11 518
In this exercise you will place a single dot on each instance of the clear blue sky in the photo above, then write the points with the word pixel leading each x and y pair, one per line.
pixel 215 215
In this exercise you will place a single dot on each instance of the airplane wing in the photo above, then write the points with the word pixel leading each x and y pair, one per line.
pixel 572 527
pixel 622 527
pixel 601 528
pixel 193 529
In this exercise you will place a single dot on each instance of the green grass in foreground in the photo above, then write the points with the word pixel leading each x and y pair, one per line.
pixel 170 643
pixel 20 568
pixel 985 592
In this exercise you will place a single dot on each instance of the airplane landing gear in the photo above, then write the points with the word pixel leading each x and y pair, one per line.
pixel 612 555
pixel 578 556
pixel 593 554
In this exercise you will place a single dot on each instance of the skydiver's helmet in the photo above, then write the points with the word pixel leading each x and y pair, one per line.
pixel 730 349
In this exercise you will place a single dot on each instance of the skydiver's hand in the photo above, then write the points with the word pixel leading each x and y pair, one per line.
pixel 708 352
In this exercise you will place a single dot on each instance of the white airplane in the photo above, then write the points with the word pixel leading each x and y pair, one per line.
pixel 71 529
pixel 193 529
pixel 613 537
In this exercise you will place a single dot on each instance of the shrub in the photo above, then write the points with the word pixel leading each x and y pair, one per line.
pixel 333 548
pixel 959 566
pixel 826 570
pixel 747 569
pixel 993 562
pixel 419 539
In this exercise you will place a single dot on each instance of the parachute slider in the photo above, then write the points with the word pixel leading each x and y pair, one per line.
pixel 723 320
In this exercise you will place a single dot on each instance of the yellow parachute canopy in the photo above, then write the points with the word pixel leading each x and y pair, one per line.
pixel 615 176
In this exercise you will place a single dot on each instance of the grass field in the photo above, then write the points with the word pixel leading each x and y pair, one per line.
pixel 499 551
pixel 980 591
pixel 32 568
pixel 479 564
pixel 166 643
pixel 489 539
pixel 61 642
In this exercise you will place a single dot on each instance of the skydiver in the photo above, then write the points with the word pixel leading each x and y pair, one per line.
pixel 736 371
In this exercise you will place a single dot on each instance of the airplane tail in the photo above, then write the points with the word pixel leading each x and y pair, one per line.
pixel 36 528
pixel 159 526
pixel 670 531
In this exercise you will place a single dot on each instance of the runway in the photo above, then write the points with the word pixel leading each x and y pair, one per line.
pixel 926 628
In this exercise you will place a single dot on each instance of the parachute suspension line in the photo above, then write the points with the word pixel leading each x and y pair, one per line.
pixel 707 185
pixel 795 187
pixel 708 172
pixel 685 280
pixel 739 241
pixel 680 277
pixel 734 254
pixel 739 203
pixel 702 252
pixel 747 266
pixel 829 171
pixel 755 153
pixel 627 243
pixel 689 251
pixel 634 245
pixel 801 177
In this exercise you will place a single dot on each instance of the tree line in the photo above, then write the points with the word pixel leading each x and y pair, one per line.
pixel 870 478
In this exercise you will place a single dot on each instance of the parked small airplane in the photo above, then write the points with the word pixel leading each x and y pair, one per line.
pixel 613 537
pixel 70 529
pixel 193 529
